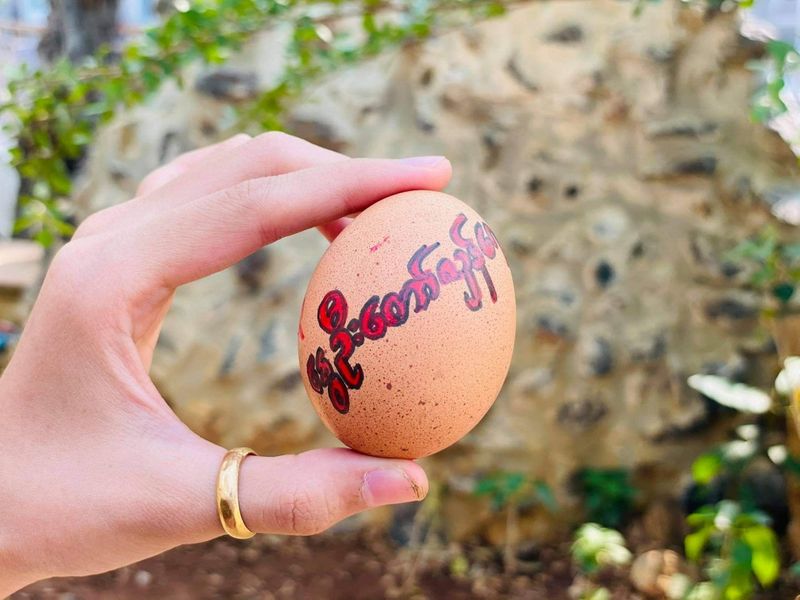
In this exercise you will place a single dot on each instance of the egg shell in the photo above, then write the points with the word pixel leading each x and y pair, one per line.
pixel 437 369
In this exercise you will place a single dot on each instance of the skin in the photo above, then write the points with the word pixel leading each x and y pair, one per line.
pixel 96 471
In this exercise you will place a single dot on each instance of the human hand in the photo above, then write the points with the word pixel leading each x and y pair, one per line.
pixel 96 471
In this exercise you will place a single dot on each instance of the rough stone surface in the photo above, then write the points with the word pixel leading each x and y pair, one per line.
pixel 614 158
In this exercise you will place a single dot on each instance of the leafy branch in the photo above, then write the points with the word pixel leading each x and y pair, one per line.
pixel 774 265
pixel 52 113
pixel 767 103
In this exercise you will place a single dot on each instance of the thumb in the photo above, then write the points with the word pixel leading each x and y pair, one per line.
pixel 298 494
pixel 307 493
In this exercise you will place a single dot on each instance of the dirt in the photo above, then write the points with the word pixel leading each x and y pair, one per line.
pixel 346 566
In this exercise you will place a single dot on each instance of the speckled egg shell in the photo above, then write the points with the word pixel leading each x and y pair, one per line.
pixel 402 356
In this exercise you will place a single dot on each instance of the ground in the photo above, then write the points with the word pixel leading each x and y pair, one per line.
pixel 347 565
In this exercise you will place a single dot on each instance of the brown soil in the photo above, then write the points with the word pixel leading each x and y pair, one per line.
pixel 346 566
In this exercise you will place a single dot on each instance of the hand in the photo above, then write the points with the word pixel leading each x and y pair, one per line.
pixel 96 471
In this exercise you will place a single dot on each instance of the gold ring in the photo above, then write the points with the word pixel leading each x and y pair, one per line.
pixel 228 494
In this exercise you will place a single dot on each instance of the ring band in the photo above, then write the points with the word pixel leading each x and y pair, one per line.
pixel 228 494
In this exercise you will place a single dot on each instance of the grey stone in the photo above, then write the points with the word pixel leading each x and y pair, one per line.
pixel 597 356
pixel 731 308
pixel 582 414
pixel 568 35
pixel 702 165
pixel 228 85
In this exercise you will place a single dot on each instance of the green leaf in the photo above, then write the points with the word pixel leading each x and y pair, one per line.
pixel 791 252
pixel 766 562
pixel 794 570
pixel 44 237
pixel 780 50
pixel 783 291
pixel 695 542
pixel 544 493
pixel 706 467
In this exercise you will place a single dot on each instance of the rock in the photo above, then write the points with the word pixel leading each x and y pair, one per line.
pixel 228 85
pixel 21 264
pixel 732 308
pixel 681 127
pixel 568 35
pixel 596 356
pixel 604 274
pixel 652 572
pixel 702 165
pixel 582 414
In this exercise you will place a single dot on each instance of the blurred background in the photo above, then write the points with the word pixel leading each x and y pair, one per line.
pixel 635 159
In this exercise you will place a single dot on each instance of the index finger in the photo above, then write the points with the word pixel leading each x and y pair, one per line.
pixel 199 238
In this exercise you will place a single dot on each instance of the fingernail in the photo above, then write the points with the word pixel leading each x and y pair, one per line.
pixel 423 161
pixel 389 486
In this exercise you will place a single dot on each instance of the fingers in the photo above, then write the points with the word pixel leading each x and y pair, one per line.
pixel 307 493
pixel 188 161
pixel 334 228
pixel 199 238
pixel 271 153
pixel 209 170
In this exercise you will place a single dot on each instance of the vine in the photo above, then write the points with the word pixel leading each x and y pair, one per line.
pixel 52 112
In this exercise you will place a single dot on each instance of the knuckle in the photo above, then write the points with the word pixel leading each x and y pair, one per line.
pixel 157 178
pixel 241 137
pixel 78 283
pixel 92 224
pixel 274 139
pixel 253 195
pixel 303 513
pixel 69 262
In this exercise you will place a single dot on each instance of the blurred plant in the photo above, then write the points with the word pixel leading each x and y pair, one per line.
pixel 507 487
pixel 607 494
pixel 513 491
pixel 599 593
pixel 774 264
pixel 52 113
pixel 595 546
pixel 737 547
pixel 720 472
pixel 782 57
pixel 794 570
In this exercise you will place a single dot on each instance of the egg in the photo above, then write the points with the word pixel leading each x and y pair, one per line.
pixel 407 326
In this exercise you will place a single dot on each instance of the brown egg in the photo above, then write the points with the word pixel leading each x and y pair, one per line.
pixel 407 326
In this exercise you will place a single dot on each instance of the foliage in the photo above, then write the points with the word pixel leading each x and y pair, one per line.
pixel 505 488
pixel 739 547
pixel 781 58
pixel 723 466
pixel 721 471
pixel 775 264
pixel 600 593
pixel 608 495
pixel 595 546
pixel 767 103
pixel 51 113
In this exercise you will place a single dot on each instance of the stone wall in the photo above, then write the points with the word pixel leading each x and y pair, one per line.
pixel 615 159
